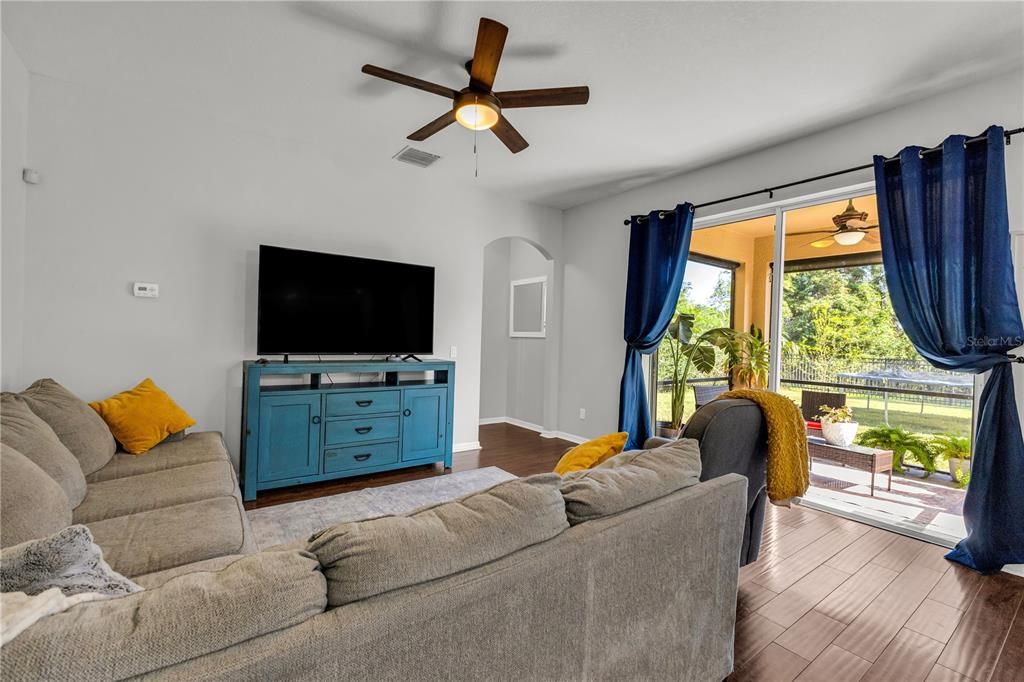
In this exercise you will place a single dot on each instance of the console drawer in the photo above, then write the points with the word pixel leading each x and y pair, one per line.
pixel 362 402
pixel 340 431
pixel 359 456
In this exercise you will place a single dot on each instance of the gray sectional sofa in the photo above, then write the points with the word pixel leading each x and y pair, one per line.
pixel 625 572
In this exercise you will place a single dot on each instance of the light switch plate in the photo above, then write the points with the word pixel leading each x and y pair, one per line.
pixel 146 289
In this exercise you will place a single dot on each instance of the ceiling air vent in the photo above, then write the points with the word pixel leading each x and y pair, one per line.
pixel 416 157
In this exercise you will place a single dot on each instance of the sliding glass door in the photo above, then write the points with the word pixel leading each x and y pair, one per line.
pixel 805 279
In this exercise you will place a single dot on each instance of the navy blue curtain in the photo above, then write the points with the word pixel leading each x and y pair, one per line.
pixel 946 252
pixel 657 258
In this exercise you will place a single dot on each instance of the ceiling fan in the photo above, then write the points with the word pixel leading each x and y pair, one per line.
pixel 477 106
pixel 851 228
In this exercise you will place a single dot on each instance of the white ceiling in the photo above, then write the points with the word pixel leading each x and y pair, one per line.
pixel 674 86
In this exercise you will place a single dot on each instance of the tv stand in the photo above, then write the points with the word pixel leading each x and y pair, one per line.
pixel 376 417
pixel 405 358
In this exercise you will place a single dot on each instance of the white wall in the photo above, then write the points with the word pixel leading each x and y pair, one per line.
pixel 152 188
pixel 494 339
pixel 14 111
pixel 595 243
pixel 513 370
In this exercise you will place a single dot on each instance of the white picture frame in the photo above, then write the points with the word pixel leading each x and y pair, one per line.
pixel 528 308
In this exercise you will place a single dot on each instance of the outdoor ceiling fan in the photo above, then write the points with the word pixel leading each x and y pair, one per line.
pixel 851 228
pixel 477 106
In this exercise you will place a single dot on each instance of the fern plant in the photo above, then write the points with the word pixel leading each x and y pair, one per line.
pixel 902 443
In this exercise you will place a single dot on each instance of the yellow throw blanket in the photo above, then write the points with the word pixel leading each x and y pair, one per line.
pixel 788 475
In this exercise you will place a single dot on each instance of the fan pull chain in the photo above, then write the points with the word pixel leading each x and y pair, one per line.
pixel 476 155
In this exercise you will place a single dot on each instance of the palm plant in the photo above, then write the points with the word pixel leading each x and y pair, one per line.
pixel 902 443
pixel 745 356
pixel 750 360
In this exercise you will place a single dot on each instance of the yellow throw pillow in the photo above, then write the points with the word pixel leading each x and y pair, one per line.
pixel 142 417
pixel 593 452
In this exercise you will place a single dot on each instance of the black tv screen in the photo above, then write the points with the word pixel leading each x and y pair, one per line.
pixel 321 303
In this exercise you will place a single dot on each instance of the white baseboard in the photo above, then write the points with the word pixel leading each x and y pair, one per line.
pixel 468 445
pixel 544 433
pixel 571 437
pixel 514 422
pixel 492 420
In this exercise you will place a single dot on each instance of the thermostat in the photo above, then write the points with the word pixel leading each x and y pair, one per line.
pixel 146 289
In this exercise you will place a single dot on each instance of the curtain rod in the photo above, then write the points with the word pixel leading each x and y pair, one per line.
pixel 770 191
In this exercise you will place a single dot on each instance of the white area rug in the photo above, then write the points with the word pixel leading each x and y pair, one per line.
pixel 298 520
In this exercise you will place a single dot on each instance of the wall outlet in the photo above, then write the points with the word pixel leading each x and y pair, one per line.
pixel 146 289
pixel 453 352
pixel 583 413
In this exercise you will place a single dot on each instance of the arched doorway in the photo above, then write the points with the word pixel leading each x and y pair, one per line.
pixel 519 339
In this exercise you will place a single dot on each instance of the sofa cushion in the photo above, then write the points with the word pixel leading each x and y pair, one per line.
pixel 27 433
pixel 156 490
pixel 76 424
pixel 195 448
pixel 142 417
pixel 189 616
pixel 163 538
pixel 365 558
pixel 630 479
pixel 32 505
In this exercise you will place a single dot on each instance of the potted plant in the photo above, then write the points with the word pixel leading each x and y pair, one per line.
pixel 956 450
pixel 837 424
pixel 902 443
pixel 749 359
pixel 686 352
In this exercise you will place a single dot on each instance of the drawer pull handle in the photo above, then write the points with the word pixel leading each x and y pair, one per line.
pixel 364 403
pixel 362 458
pixel 406 412
pixel 364 429
pixel 316 420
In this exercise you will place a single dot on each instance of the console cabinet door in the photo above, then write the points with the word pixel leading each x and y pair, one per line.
pixel 289 437
pixel 424 418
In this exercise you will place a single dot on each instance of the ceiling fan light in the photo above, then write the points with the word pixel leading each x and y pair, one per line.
pixel 478 115
pixel 848 237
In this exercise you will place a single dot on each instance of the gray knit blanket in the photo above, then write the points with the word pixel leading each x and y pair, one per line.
pixel 68 560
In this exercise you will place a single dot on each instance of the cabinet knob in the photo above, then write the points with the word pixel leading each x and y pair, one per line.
pixel 406 412
pixel 316 419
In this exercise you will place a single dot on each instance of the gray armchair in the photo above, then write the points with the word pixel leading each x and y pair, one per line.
pixel 733 438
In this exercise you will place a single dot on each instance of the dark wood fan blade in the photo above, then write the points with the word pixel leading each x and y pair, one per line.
pixel 490 41
pixel 412 82
pixel 509 135
pixel 544 97
pixel 822 243
pixel 437 125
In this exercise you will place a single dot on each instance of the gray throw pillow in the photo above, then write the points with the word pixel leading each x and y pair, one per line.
pixel 630 479
pixel 68 560
pixel 21 429
pixel 365 558
pixel 77 425
pixel 32 505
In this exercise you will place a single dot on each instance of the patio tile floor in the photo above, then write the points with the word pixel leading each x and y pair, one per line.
pixel 932 505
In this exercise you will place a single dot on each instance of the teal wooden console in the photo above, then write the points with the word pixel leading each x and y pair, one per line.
pixel 383 415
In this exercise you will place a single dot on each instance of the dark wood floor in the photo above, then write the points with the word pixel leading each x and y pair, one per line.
pixel 828 599
pixel 831 599
pixel 516 450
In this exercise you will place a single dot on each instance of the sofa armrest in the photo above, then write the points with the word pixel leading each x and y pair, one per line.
pixel 186 617
pixel 656 442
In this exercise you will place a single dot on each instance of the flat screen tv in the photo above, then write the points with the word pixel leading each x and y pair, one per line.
pixel 321 303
